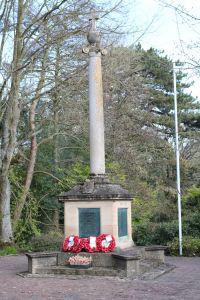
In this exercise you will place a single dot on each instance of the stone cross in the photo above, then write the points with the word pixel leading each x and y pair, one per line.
pixel 96 116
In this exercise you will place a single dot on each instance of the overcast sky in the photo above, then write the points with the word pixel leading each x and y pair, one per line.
pixel 167 30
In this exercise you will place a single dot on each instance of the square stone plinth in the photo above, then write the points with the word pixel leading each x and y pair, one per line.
pixel 97 207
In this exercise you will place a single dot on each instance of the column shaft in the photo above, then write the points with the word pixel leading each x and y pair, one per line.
pixel 97 148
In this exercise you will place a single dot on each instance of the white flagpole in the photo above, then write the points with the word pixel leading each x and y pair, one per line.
pixel 177 161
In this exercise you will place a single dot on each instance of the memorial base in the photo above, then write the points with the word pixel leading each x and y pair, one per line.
pixel 98 207
pixel 137 262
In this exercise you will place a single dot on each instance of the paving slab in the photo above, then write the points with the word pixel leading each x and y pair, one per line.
pixel 181 283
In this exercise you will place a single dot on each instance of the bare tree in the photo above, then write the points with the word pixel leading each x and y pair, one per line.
pixel 29 44
pixel 33 144
pixel 29 83
pixel 190 19
pixel 10 123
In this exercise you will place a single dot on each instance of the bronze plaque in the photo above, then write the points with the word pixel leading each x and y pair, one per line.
pixel 89 222
pixel 122 222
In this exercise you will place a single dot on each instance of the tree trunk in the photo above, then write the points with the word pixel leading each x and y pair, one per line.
pixel 56 130
pixel 33 149
pixel 5 224
pixel 9 132
pixel 30 168
pixel 56 164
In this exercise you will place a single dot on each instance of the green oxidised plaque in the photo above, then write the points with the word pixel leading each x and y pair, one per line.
pixel 122 222
pixel 89 222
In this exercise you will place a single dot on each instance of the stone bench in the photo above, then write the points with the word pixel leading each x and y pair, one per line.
pixel 155 253
pixel 41 259
pixel 128 264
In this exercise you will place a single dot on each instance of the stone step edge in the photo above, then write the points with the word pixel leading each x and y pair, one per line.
pixel 152 275
pixel 108 272
pixel 157 272
pixel 112 271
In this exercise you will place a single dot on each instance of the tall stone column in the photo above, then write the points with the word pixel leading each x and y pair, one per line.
pixel 97 149
pixel 96 118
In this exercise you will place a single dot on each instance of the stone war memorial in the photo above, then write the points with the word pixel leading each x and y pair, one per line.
pixel 97 213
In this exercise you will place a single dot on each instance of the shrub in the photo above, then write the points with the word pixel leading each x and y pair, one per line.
pixel 192 199
pixel 191 224
pixel 50 241
pixel 155 233
pixel 191 246
pixel 165 232
pixel 24 231
pixel 142 234
pixel 8 250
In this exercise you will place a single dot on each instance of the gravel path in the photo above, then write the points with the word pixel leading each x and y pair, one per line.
pixel 181 283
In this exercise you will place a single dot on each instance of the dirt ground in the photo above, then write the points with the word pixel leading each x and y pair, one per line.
pixel 181 283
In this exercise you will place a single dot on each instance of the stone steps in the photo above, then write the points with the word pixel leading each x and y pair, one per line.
pixel 149 273
pixel 63 270
pixel 147 262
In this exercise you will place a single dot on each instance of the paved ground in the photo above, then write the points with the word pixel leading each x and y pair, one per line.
pixel 181 283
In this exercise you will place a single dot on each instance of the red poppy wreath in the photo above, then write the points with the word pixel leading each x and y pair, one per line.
pixel 105 243
pixel 72 244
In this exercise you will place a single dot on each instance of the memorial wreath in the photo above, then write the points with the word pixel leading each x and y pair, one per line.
pixel 72 244
pixel 105 243
pixel 102 243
